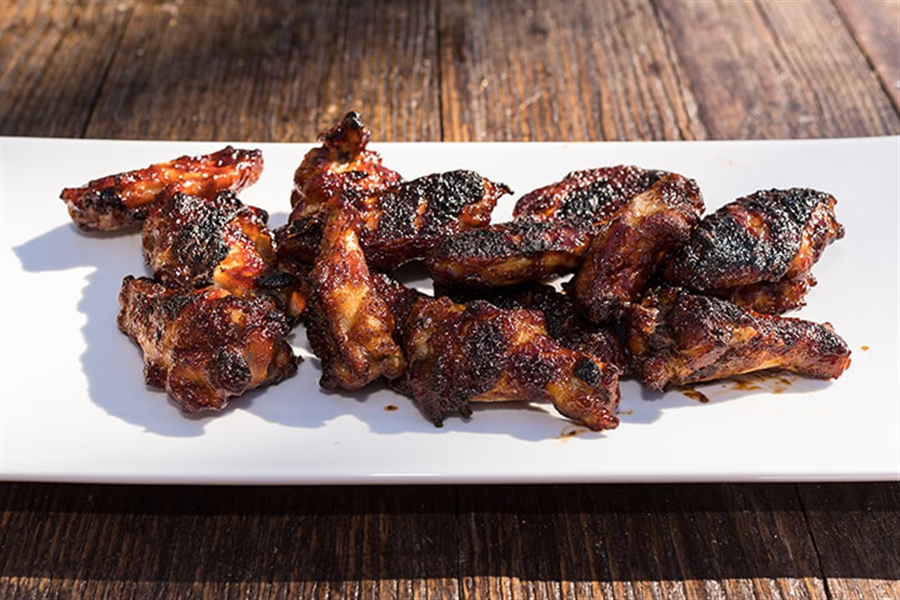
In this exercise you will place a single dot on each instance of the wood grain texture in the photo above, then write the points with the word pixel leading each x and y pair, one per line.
pixel 875 25
pixel 590 71
pixel 776 70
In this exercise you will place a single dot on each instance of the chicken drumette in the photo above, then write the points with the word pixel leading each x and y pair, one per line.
pixel 676 337
pixel 758 250
pixel 205 346
pixel 122 200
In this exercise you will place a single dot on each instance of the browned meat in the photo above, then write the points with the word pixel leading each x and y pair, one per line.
pixel 508 254
pixel 340 167
pixel 123 200
pixel 349 325
pixel 403 222
pixel 758 250
pixel 192 241
pixel 477 352
pixel 205 346
pixel 628 250
pixel 677 338
pixel 564 323
pixel 589 197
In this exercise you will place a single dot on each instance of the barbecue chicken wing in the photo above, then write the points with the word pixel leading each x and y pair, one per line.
pixel 341 166
pixel 119 201
pixel 676 337
pixel 549 234
pixel 508 254
pixel 627 251
pixel 205 346
pixel 758 250
pixel 402 222
pixel 476 352
pixel 588 197
pixel 349 325
pixel 193 241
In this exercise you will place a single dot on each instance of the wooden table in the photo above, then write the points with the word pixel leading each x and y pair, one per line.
pixel 455 71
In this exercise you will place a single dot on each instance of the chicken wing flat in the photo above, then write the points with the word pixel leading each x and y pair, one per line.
pixel 509 253
pixel 759 249
pixel 628 250
pixel 348 324
pixel 194 241
pixel 123 200
pixel 477 352
pixel 676 338
pixel 205 346
pixel 402 222
pixel 588 197
pixel 342 165
pixel 551 230
pixel 563 321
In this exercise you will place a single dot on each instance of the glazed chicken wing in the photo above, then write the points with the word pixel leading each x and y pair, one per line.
pixel 626 253
pixel 205 346
pixel 402 222
pixel 759 249
pixel 588 197
pixel 349 325
pixel 123 200
pixel 676 337
pixel 192 241
pixel 342 165
pixel 478 352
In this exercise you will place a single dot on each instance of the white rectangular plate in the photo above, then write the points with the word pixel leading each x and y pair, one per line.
pixel 74 407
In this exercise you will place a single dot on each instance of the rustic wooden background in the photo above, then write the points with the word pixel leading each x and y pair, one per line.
pixel 455 71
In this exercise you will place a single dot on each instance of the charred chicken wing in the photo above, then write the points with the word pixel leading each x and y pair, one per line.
pixel 123 200
pixel 676 337
pixel 349 325
pixel 205 346
pixel 628 250
pixel 759 249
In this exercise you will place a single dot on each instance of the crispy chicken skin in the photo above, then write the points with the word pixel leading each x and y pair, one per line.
pixel 342 165
pixel 563 321
pixel 627 251
pixel 205 346
pixel 192 241
pixel 551 230
pixel 759 249
pixel 123 200
pixel 402 222
pixel 588 197
pixel 348 324
pixel 676 338
pixel 508 254
pixel 477 352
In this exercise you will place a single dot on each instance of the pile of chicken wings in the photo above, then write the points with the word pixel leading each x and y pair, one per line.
pixel 610 272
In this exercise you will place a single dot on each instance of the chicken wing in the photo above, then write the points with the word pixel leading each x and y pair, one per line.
pixel 759 249
pixel 628 250
pixel 478 352
pixel 676 337
pixel 402 222
pixel 194 241
pixel 341 166
pixel 123 200
pixel 348 324
pixel 205 346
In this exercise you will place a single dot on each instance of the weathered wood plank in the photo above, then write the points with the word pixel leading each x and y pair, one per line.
pixel 776 70
pixel 539 70
pixel 120 541
pixel 856 529
pixel 53 58
pixel 637 541
pixel 212 69
pixel 876 26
